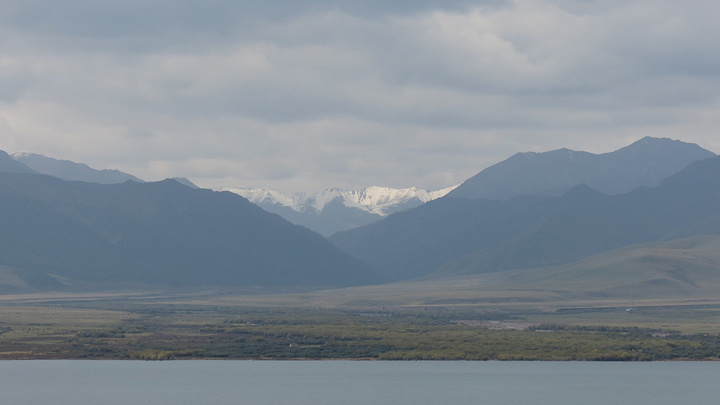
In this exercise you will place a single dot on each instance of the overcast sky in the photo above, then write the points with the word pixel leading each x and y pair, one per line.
pixel 303 95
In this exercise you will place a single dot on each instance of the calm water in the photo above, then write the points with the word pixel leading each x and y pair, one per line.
pixel 356 382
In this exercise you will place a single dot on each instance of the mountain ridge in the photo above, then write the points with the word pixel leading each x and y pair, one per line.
pixel 526 230
pixel 10 165
pixel 72 171
pixel 335 209
pixel 161 233
pixel 585 224
pixel 643 163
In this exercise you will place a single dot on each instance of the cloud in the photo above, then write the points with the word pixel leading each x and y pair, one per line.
pixel 304 95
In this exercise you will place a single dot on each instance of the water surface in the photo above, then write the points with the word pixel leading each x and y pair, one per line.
pixel 64 382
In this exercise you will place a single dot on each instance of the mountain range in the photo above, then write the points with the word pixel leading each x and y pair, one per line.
pixel 459 235
pixel 10 165
pixel 67 170
pixel 551 213
pixel 325 212
pixel 334 210
pixel 70 234
pixel 679 271
pixel 643 163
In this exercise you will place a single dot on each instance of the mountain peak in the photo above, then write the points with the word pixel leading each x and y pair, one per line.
pixel 185 182
pixel 582 192
pixel 10 165
pixel 651 139
pixel 643 163
pixel 652 143
pixel 374 199
pixel 336 209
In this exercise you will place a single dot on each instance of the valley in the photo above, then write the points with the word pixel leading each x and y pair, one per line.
pixel 389 325
pixel 166 270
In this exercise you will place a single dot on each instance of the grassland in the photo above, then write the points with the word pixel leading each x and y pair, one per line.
pixel 293 326
pixel 649 302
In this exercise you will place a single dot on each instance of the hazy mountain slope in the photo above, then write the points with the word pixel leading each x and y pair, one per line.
pixel 643 163
pixel 10 282
pixel 413 243
pixel 68 170
pixel 536 231
pixel 164 233
pixel 679 268
pixel 10 165
pixel 185 182
pixel 586 222
pixel 335 210
pixel 334 217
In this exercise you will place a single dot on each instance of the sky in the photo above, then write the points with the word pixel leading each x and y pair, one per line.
pixel 305 95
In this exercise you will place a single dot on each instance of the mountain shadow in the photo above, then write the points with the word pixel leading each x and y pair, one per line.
pixel 63 233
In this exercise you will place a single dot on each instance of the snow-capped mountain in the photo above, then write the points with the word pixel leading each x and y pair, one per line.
pixel 335 209
pixel 382 201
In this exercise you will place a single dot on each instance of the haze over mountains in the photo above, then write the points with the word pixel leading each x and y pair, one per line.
pixel 10 165
pixel 72 171
pixel 683 268
pixel 334 210
pixel 62 234
pixel 325 212
pixel 456 235
pixel 552 213
pixel 643 163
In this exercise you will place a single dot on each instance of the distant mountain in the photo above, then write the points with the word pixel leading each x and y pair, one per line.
pixel 585 222
pixel 185 182
pixel 10 165
pixel 335 210
pixel 643 163
pixel 64 234
pixel 463 236
pixel 72 171
pixel 413 243
pixel 683 268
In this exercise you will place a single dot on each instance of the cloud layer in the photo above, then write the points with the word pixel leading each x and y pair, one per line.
pixel 307 95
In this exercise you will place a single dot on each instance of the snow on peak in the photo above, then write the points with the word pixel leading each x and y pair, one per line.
pixel 262 195
pixel 434 195
pixel 20 155
pixel 377 200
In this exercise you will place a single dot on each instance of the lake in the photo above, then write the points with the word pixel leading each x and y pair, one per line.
pixel 64 382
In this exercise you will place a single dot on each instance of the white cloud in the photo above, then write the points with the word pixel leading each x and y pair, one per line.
pixel 310 95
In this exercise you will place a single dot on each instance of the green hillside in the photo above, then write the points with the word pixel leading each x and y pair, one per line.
pixel 679 272
pixel 686 268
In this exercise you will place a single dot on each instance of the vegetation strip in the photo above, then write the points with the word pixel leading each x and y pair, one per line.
pixel 184 332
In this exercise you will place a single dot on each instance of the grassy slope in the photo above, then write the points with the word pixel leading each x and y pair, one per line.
pixel 473 317
pixel 686 268
pixel 676 287
pixel 11 282
pixel 672 270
